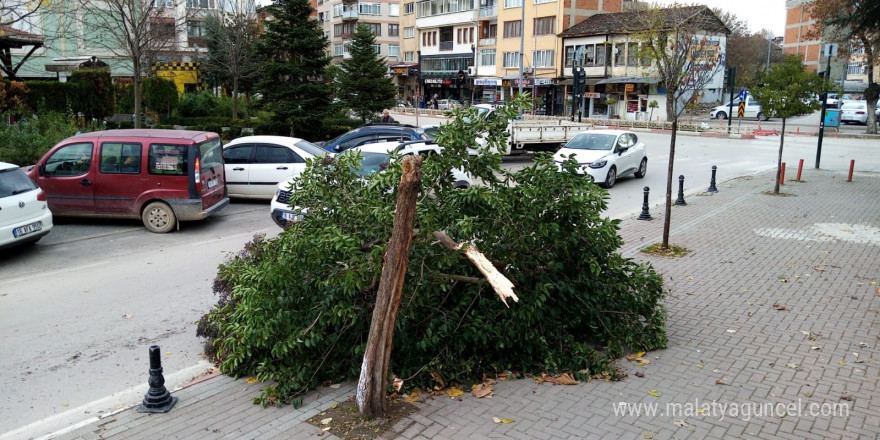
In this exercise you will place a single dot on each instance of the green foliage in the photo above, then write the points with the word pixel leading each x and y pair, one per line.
pixel 50 96
pixel 364 85
pixel 296 309
pixel 198 104
pixel 293 53
pixel 124 98
pixel 788 90
pixel 160 95
pixel 25 142
pixel 93 95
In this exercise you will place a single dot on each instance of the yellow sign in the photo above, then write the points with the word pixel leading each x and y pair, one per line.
pixel 630 87
pixel 742 110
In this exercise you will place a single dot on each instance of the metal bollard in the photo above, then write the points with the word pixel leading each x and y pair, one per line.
pixel 800 168
pixel 157 399
pixel 680 200
pixel 712 188
pixel 645 215
pixel 782 175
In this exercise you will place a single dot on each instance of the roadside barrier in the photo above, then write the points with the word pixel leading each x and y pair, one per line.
pixel 712 188
pixel 680 200
pixel 645 215
pixel 157 399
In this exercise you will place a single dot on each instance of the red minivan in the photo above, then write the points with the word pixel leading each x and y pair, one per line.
pixel 160 176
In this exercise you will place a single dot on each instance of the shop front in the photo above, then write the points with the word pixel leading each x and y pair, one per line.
pixel 629 97
pixel 406 81
pixel 487 89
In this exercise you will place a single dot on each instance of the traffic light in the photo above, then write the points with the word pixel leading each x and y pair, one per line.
pixel 576 82
pixel 582 81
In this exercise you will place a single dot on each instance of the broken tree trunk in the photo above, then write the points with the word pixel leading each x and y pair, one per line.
pixel 502 286
pixel 373 381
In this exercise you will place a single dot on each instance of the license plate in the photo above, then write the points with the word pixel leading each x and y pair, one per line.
pixel 212 183
pixel 27 229
pixel 291 217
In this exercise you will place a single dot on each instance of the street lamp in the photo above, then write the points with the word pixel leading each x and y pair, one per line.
pixel 769 41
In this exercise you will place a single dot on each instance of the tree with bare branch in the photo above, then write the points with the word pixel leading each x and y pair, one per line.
pixel 230 39
pixel 684 44
pixel 134 30
pixel 17 11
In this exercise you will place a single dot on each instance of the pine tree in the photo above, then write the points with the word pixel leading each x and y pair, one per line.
pixel 365 87
pixel 293 49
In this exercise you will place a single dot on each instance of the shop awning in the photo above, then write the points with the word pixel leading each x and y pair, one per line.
pixel 630 79
pixel 588 81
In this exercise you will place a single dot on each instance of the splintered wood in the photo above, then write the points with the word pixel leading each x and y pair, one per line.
pixel 502 286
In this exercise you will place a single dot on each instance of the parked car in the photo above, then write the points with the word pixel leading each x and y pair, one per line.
pixel 24 212
pixel 606 155
pixel 373 133
pixel 854 112
pixel 255 164
pixel 752 109
pixel 373 157
pixel 162 177
pixel 448 104
pixel 832 101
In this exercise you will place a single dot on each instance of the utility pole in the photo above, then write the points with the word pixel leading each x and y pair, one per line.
pixel 830 50
pixel 522 40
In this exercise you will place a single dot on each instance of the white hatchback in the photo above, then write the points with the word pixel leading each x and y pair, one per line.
pixel 854 112
pixel 606 155
pixel 255 164
pixel 24 212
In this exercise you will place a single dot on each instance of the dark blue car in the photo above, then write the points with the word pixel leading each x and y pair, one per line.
pixel 373 133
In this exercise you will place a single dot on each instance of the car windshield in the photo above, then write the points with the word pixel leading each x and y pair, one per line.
pixel 431 133
pixel 372 163
pixel 311 148
pixel 592 141
pixel 14 181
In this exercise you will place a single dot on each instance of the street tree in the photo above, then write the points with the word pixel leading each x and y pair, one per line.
pixel 855 25
pixel 13 12
pixel 135 30
pixel 788 90
pixel 230 39
pixel 683 45
pixel 364 85
pixel 293 52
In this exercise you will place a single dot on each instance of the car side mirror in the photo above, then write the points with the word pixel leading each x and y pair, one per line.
pixel 621 149
pixel 41 170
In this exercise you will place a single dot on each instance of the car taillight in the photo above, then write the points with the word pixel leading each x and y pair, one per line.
pixel 41 196
pixel 198 175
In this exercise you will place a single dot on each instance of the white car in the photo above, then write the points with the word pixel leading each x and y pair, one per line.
pixel 854 112
pixel 374 156
pixel 448 104
pixel 606 155
pixel 24 212
pixel 255 164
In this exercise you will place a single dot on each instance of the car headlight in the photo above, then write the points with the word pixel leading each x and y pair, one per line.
pixel 598 164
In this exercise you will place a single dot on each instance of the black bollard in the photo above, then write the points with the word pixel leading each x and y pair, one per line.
pixel 712 188
pixel 680 199
pixel 157 399
pixel 645 215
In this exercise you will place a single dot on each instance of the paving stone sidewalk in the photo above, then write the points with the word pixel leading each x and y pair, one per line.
pixel 773 333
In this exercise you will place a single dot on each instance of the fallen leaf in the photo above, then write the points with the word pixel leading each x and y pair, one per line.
pixel 326 421
pixel 335 386
pixel 631 357
pixel 454 392
pixel 641 362
pixel 699 365
pixel 842 363
pixel 500 420
pixel 648 436
pixel 640 354
pixel 439 379
pixel 793 365
pixel 482 390
pixel 847 398
pixel 778 307
pixel 680 423
pixel 252 380
pixel 873 283
pixel 565 379
pixel 690 278
pixel 334 406
pixel 654 393
pixel 721 382
pixel 731 331
pixel 412 397
pixel 716 371
pixel 129 315
pixel 168 353
pixel 862 345
pixel 326 428
pixel 640 374
pixel 815 347
pixel 808 394
pixel 805 333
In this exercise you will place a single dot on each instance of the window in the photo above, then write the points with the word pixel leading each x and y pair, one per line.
pixel 343 29
pixel 275 154
pixel 370 8
pixel 340 49
pixel 465 35
pixel 162 31
pixel 589 55
pixel 512 29
pixel 513 3
pixel 119 158
pixel 394 9
pixel 545 25
pixel 70 160
pixel 168 159
pixel 601 55
pixel 538 2
pixel 409 32
pixel 195 29
pixel 238 154
pixel 632 54
pixel 203 4
pixel 393 50
pixel 409 56
pixel 542 58
pixel 490 31
pixel 511 59
pixel 210 153
pixel 378 49
pixel 375 28
pixel 855 69
pixel 393 30
pixel 338 9
pixel 164 3
pixel 487 57
pixel 409 8
pixel 619 53
pixel 569 56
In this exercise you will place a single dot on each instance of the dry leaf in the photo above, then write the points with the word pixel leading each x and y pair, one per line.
pixel 482 390
pixel 631 357
pixel 129 315
pixel 438 378
pixel 699 365
pixel 721 382
pixel 654 393
pixel 731 331
pixel 335 386
pixel 778 307
pixel 252 380
pixel 640 374
pixel 815 347
pixel 680 423
pixel 412 397
pixel 793 365
pixel 500 420
pixel 648 436
pixel 454 392
pixel 842 363
pixel 168 353
pixel 847 398
pixel 326 421
pixel 641 361
pixel 565 379
pixel 334 406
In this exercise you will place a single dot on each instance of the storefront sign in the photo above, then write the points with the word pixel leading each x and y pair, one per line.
pixel 433 80
pixel 630 87
pixel 527 82
pixel 487 81
pixel 403 70
pixel 592 95
pixel 543 81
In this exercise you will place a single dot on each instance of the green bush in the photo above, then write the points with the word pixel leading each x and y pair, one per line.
pixel 126 124
pixel 199 104
pixel 25 142
pixel 232 132
pixel 110 125
pixel 94 93
pixel 271 128
pixel 160 95
pixel 213 128
pixel 50 96
pixel 296 309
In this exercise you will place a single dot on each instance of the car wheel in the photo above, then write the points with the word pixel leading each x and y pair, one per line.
pixel 611 177
pixel 159 217
pixel 643 168
pixel 762 117
pixel 721 115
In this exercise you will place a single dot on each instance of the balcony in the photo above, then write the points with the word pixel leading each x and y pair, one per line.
pixel 349 15
pixel 489 11
pixel 446 45
pixel 487 42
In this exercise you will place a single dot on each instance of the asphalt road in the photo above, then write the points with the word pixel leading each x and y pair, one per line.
pixel 79 310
